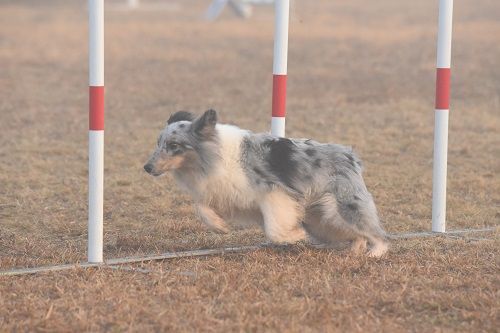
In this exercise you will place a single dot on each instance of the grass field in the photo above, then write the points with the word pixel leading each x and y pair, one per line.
pixel 361 73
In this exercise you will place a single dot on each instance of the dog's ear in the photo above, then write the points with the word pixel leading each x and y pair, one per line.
pixel 205 124
pixel 180 116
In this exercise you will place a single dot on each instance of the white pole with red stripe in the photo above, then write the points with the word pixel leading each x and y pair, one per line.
pixel 281 16
pixel 96 130
pixel 441 116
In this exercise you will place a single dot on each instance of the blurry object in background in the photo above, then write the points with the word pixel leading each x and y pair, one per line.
pixel 143 5
pixel 242 8
pixel 215 9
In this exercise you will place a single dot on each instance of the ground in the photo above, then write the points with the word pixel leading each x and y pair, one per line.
pixel 361 73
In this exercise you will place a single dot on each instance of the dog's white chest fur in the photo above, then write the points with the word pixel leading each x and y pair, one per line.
pixel 227 187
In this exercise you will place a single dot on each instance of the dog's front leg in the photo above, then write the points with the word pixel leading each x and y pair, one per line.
pixel 282 216
pixel 211 219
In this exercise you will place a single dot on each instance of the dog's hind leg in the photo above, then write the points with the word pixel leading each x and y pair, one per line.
pixel 332 222
pixel 356 207
pixel 324 224
pixel 282 215
pixel 360 215
pixel 211 219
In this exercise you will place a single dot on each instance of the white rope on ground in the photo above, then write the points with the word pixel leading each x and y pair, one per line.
pixel 128 260
pixel 210 252
pixel 437 234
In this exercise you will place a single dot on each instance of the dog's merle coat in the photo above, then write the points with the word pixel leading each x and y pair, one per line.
pixel 292 187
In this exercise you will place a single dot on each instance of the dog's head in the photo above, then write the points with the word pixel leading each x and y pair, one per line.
pixel 181 142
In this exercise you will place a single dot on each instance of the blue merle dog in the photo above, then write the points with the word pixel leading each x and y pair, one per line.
pixel 293 188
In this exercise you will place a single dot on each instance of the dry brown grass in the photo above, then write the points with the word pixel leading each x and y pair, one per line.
pixel 360 73
pixel 423 285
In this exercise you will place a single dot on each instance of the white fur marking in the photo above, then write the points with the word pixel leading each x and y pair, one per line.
pixel 228 187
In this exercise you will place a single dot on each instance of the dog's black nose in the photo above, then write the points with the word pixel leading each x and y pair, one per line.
pixel 148 167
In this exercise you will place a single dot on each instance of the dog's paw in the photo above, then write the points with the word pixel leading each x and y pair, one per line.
pixel 378 250
pixel 358 246
pixel 220 230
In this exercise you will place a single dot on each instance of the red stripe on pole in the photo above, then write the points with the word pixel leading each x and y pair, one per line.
pixel 96 108
pixel 443 88
pixel 279 95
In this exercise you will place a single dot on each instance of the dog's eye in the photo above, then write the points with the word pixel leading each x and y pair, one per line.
pixel 173 147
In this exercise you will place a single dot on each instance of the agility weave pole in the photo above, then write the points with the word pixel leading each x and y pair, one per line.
pixel 441 116
pixel 281 17
pixel 211 252
pixel 96 130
